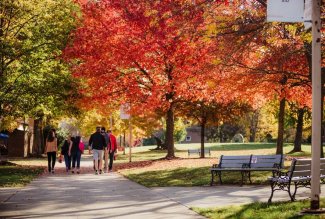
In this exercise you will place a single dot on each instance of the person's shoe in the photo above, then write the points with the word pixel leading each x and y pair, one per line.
pixel 78 172
pixel 72 171
pixel 100 171
pixel 96 172
pixel 52 171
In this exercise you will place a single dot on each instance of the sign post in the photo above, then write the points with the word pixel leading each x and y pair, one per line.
pixel 291 11
pixel 316 104
pixel 125 115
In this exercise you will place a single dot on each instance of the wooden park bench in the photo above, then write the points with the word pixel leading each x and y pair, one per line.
pixel 198 152
pixel 245 164
pixel 298 175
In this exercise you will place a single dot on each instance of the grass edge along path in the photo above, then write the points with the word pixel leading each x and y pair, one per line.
pixel 13 175
pixel 195 176
pixel 258 210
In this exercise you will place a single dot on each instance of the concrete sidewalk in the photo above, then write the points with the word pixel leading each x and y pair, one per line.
pixel 90 196
pixel 113 196
pixel 220 196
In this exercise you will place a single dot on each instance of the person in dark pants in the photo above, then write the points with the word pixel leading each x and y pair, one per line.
pixel 112 147
pixel 75 154
pixel 65 153
pixel 51 147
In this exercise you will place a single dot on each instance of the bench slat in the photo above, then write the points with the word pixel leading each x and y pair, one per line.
pixel 241 157
pixel 232 165
pixel 262 165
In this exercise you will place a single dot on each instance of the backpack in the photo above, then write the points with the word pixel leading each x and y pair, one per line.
pixel 81 146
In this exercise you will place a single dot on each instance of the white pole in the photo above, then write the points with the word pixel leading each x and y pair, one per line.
pixel 316 104
pixel 130 144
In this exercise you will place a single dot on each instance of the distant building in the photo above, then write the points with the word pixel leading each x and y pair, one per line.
pixel 193 135
pixel 21 140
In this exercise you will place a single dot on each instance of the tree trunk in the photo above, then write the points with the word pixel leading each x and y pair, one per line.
pixel 322 108
pixel 253 126
pixel 298 137
pixel 170 133
pixel 279 146
pixel 37 144
pixel 203 123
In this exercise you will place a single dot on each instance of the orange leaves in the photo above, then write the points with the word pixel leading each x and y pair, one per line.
pixel 141 51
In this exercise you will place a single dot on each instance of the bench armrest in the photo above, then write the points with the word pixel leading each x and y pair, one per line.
pixel 279 174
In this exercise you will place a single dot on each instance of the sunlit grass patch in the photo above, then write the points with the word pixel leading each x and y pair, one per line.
pixel 12 175
pixel 257 210
pixel 200 176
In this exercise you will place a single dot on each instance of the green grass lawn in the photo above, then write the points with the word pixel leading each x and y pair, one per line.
pixel 190 177
pixel 259 210
pixel 201 176
pixel 12 175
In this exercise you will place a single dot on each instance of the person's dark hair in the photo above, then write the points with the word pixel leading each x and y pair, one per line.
pixel 103 129
pixel 98 129
pixel 50 136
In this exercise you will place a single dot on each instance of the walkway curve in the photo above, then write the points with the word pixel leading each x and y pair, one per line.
pixel 90 196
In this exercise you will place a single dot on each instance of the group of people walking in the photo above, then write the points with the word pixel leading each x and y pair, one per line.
pixel 101 144
pixel 72 149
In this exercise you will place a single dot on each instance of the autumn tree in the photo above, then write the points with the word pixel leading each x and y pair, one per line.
pixel 151 54
pixel 33 80
pixel 271 59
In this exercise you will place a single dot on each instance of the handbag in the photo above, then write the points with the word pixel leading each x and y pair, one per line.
pixel 81 147
pixel 60 158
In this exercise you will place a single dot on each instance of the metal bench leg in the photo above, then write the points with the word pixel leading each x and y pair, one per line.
pixel 212 178
pixel 294 194
pixel 249 177
pixel 219 175
pixel 242 178
pixel 292 197
pixel 272 191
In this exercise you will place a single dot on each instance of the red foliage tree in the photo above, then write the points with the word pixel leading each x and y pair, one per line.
pixel 152 54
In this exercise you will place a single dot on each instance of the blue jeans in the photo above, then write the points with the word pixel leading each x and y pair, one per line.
pixel 67 161
pixel 76 158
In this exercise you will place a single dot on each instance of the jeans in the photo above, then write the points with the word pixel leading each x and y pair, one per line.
pixel 67 161
pixel 76 158
pixel 51 158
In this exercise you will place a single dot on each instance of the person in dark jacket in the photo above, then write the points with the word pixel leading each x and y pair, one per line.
pixel 65 153
pixel 75 154
pixel 97 144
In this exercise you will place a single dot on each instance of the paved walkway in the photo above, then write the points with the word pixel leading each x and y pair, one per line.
pixel 113 196
pixel 90 196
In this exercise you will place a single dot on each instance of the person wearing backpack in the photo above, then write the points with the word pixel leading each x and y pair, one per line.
pixel 75 153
